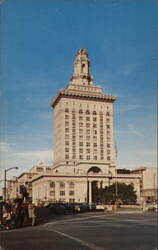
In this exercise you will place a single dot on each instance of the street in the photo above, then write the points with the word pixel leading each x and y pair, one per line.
pixel 98 230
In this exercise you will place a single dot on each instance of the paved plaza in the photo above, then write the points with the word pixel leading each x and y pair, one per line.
pixel 99 231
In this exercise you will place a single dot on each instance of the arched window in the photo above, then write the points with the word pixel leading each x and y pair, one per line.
pixel 87 112
pixel 62 185
pixel 66 110
pixel 80 111
pixel 83 68
pixel 107 114
pixel 71 185
pixel 94 113
pixel 73 111
pixel 52 184
pixel 94 170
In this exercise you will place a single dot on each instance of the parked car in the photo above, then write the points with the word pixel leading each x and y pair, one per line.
pixel 57 208
pixel 99 206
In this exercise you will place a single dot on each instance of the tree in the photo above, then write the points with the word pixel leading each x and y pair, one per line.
pixel 107 195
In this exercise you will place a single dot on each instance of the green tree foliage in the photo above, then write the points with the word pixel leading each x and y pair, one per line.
pixel 107 195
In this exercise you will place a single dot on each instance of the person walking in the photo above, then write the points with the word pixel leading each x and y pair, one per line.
pixel 34 215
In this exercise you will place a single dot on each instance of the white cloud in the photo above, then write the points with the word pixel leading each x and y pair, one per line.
pixel 132 130
pixel 128 107
pixel 36 155
pixel 45 115
pixel 4 146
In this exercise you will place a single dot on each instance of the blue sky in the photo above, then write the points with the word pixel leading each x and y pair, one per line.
pixel 38 46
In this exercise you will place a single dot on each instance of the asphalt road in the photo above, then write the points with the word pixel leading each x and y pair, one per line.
pixel 98 231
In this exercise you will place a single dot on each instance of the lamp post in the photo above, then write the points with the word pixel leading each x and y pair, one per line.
pixel 5 179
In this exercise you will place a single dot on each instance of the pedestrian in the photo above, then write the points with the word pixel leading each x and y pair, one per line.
pixel 34 215
pixel 6 216
pixel 18 215
pixel 30 207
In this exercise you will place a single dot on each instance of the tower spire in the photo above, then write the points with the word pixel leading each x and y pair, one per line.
pixel 81 74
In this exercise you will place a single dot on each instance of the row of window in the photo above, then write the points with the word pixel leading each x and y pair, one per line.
pixel 87 118
pixel 95 157
pixel 88 125
pixel 62 193
pixel 62 185
pixel 88 144
pixel 87 112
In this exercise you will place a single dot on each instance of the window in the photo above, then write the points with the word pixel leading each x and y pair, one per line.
pixel 107 120
pixel 102 157
pixel 80 111
pixel 62 192
pixel 62 185
pixel 81 150
pixel 108 158
pixel 87 131
pixel 95 157
pixel 108 139
pixel 74 156
pixel 87 144
pixel 94 125
pixel 71 192
pixel 108 145
pixel 80 143
pixel 39 169
pixel 67 143
pixel 66 123
pixel 87 137
pixel 87 125
pixel 52 193
pixel 80 124
pixel 80 118
pixel 73 117
pixel 73 111
pixel 87 112
pixel 88 150
pixel 80 137
pixel 107 114
pixel 108 152
pixel 66 149
pixel 81 157
pixel 94 119
pixel 95 144
pixel 88 157
pixel 67 156
pixel 80 131
pixel 66 110
pixel 74 130
pixel 66 130
pixel 66 117
pixel 87 118
pixel 107 126
pixel 71 185
pixel 94 113
pixel 52 184
pixel 94 131
pixel 108 132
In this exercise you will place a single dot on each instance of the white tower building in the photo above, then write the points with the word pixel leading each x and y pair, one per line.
pixel 83 122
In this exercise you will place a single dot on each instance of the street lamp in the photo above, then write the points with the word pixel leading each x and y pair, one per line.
pixel 5 179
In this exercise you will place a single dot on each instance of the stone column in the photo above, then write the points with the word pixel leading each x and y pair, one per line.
pixel 90 192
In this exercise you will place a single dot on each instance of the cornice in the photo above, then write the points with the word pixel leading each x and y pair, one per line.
pixel 82 95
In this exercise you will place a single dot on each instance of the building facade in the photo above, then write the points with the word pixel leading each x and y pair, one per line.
pixel 84 148
pixel 83 122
